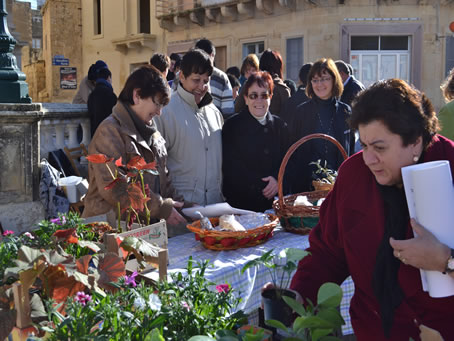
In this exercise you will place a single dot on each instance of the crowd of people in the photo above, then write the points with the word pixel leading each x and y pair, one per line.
pixel 221 137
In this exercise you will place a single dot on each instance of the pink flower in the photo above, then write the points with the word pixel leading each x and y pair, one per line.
pixel 29 235
pixel 223 288
pixel 58 221
pixel 7 233
pixel 131 280
pixel 186 305
pixel 82 298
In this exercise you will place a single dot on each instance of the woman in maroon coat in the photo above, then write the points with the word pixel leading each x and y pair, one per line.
pixel 365 230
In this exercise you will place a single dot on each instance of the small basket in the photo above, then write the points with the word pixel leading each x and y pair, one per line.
pixel 322 186
pixel 300 219
pixel 232 240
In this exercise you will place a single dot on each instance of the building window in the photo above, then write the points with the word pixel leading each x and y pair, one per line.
pixel 294 58
pixel 449 54
pixel 256 48
pixel 36 43
pixel 97 17
pixel 380 57
pixel 144 16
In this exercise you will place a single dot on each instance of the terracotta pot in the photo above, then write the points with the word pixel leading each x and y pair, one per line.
pixel 275 308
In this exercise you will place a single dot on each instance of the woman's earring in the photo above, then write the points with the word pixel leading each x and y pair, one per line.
pixel 415 158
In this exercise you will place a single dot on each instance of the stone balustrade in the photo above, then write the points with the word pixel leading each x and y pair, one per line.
pixel 28 132
pixel 59 126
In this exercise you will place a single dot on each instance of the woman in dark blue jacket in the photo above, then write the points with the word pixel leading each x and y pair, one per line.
pixel 323 113
pixel 253 144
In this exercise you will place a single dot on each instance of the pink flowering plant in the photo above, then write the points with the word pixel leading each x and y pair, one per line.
pixel 188 305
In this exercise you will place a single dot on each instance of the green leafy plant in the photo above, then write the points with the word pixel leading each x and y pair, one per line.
pixel 323 173
pixel 196 306
pixel 279 266
pixel 128 182
pixel 315 322
pixel 252 334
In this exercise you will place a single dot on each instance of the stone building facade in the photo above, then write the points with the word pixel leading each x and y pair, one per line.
pixel 62 49
pixel 409 39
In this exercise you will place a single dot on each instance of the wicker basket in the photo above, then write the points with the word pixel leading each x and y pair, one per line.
pixel 300 219
pixel 322 186
pixel 232 240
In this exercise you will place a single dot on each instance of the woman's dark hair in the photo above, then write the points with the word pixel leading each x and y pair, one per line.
pixel 320 66
pixel 403 109
pixel 234 70
pixel 233 80
pixel 448 87
pixel 149 82
pixel 196 61
pixel 271 61
pixel 160 61
pixel 263 80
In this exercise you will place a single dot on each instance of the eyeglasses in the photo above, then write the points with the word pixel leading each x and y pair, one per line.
pixel 158 105
pixel 320 80
pixel 263 95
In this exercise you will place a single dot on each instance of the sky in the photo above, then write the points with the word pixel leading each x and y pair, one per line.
pixel 33 2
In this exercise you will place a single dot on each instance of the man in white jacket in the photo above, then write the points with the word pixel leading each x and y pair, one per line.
pixel 191 125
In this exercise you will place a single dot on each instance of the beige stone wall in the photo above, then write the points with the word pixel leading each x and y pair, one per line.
pixel 22 19
pixel 61 36
pixel 319 25
pixel 35 71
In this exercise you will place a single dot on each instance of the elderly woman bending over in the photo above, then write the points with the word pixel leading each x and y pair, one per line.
pixel 364 229
pixel 128 132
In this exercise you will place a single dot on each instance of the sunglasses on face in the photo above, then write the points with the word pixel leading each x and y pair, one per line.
pixel 263 95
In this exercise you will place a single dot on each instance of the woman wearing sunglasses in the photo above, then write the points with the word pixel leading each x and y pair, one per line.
pixel 253 144
pixel 323 113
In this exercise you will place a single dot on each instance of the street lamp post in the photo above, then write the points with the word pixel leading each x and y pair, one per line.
pixel 13 88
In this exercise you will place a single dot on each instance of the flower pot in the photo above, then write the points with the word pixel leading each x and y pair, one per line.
pixel 274 306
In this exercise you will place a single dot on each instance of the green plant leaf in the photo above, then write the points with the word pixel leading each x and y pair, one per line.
pixel 332 315
pixel 329 295
pixel 295 305
pixel 91 245
pixel 201 338
pixel 264 259
pixel 37 307
pixel 276 324
pixel 28 255
pixel 319 333
pixel 315 322
pixel 154 335
pixel 293 254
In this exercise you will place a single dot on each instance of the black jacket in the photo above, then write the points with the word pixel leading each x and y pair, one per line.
pixel 100 104
pixel 250 152
pixel 306 121
pixel 351 89
pixel 289 110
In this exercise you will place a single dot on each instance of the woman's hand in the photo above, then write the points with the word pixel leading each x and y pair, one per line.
pixel 271 189
pixel 175 217
pixel 423 251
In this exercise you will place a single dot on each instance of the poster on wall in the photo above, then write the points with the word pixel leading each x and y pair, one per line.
pixel 68 78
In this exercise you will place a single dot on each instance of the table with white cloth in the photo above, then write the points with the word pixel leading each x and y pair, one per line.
pixel 227 267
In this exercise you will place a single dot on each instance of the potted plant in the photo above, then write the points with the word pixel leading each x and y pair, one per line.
pixel 315 322
pixel 324 175
pixel 280 268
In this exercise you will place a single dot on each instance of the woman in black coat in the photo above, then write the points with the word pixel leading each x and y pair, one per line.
pixel 253 145
pixel 323 113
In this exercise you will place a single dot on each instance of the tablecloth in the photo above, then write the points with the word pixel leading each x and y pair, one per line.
pixel 227 267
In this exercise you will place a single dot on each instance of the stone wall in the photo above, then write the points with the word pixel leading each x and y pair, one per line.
pixel 35 70
pixel 61 37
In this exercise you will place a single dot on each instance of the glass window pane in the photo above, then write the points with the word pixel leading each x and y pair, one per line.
pixel 364 43
pixel 394 43
pixel 403 67
pixel 369 69
pixel 261 48
pixel 388 66
pixel 354 61
pixel 294 58
pixel 251 49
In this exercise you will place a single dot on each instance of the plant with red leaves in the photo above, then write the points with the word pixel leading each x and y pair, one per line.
pixel 128 181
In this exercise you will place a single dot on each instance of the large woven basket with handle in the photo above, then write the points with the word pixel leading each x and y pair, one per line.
pixel 300 219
